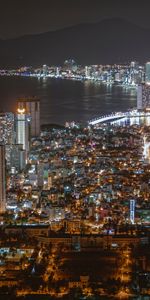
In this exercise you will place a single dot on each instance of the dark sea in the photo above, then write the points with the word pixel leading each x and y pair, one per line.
pixel 66 100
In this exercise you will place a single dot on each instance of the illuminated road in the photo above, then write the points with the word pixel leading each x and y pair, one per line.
pixel 119 115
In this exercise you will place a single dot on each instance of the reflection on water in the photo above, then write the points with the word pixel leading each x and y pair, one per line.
pixel 67 100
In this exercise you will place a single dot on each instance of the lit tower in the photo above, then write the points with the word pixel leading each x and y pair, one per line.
pixel 87 71
pixel 32 108
pixel 2 180
pixel 57 72
pixel 143 97
pixel 22 129
pixel 146 150
pixel 147 73
pixel 132 211
pixel 45 70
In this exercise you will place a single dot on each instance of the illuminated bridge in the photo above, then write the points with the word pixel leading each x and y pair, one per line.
pixel 118 115
pixel 108 118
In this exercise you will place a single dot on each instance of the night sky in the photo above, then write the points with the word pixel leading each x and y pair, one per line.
pixel 19 17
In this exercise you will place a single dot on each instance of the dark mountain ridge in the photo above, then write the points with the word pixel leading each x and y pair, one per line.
pixel 109 41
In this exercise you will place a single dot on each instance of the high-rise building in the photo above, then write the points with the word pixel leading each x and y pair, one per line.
pixel 134 65
pixel 132 211
pixel 57 72
pixel 45 70
pixel 70 65
pixel 17 158
pixel 143 97
pixel 22 129
pixel 147 73
pixel 146 148
pixel 7 135
pixel 32 108
pixel 40 174
pixel 50 182
pixel 87 71
pixel 2 180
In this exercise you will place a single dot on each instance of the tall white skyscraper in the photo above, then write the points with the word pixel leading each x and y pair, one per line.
pixel 146 148
pixel 143 97
pixel 147 73
pixel 22 129
pixel 2 180
pixel 17 158
pixel 45 70
pixel 32 108
pixel 87 71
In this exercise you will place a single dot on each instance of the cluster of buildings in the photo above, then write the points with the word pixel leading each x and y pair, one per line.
pixel 74 178
pixel 16 131
pixel 132 74
pixel 81 202
pixel 69 191
pixel 43 163
pixel 125 74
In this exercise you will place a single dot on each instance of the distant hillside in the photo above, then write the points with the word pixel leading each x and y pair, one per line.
pixel 109 41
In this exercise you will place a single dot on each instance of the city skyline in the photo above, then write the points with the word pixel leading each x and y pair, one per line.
pixel 74 150
pixel 82 199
